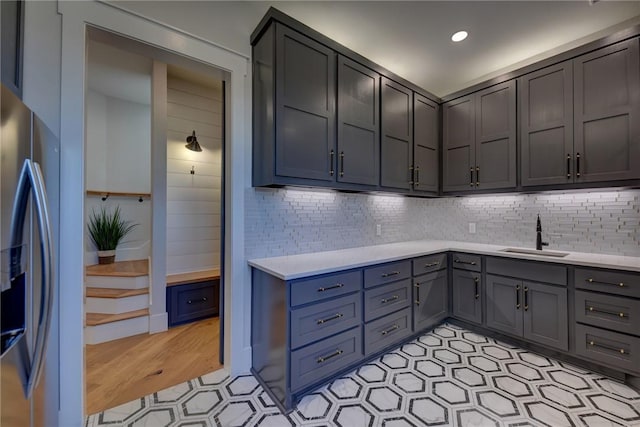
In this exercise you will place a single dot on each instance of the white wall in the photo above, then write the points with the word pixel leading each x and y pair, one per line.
pixel 193 200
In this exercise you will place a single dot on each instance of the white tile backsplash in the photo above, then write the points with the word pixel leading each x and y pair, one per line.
pixel 293 221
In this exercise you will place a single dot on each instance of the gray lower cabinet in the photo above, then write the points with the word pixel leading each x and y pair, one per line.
pixel 396 146
pixel 504 304
pixel 467 295
pixel 545 315
pixel 426 147
pixel 431 300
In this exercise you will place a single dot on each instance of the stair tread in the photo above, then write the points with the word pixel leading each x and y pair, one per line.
pixel 134 268
pixel 114 292
pixel 95 319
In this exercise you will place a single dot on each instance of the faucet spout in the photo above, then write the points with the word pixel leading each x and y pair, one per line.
pixel 539 242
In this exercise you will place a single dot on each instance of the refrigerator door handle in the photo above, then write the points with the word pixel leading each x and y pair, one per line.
pixel 31 182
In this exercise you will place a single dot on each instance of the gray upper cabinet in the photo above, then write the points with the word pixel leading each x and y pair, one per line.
pixel 397 135
pixel 12 29
pixel 305 107
pixel 607 113
pixel 358 153
pixel 479 140
pixel 546 125
pixel 426 152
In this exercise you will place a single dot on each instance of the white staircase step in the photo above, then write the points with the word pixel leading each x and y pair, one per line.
pixel 114 330
pixel 139 282
pixel 116 305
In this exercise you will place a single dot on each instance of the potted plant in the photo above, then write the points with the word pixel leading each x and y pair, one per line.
pixel 106 230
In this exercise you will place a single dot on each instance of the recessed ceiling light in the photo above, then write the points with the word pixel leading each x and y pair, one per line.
pixel 459 36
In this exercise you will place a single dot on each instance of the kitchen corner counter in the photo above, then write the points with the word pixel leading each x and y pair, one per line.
pixel 303 265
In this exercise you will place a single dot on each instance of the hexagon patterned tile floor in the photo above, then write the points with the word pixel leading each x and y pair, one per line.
pixel 447 377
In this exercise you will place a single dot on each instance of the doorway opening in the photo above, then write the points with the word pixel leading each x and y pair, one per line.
pixel 153 319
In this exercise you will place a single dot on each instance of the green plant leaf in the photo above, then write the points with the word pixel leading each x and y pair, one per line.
pixel 107 229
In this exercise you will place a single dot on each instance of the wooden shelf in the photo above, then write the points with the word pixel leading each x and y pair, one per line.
pixel 193 277
pixel 106 194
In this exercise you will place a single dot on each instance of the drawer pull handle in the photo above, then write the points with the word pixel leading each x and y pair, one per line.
pixel 328 319
pixel 477 176
pixel 342 163
pixel 476 281
pixel 526 300
pixel 458 261
pixel 432 264
pixel 410 182
pixel 334 354
pixel 590 280
pixel 393 273
pixel 518 297
pixel 386 300
pixel 613 313
pixel 608 347
pixel 331 154
pixel 391 329
pixel 336 286
pixel 203 299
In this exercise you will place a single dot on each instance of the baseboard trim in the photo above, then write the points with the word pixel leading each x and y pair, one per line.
pixel 158 323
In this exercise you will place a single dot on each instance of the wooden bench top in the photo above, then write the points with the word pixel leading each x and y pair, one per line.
pixel 193 277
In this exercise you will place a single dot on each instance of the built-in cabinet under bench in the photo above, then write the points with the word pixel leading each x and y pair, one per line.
pixel 193 296
pixel 309 330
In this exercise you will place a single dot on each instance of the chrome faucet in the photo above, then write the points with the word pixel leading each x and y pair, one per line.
pixel 539 242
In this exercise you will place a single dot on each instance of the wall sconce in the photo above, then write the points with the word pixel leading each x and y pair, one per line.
pixel 193 143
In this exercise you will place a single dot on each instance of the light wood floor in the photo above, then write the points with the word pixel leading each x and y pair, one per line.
pixel 122 370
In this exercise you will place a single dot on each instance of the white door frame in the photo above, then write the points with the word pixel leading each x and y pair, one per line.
pixel 76 16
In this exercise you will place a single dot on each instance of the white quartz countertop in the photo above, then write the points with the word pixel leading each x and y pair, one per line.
pixel 303 265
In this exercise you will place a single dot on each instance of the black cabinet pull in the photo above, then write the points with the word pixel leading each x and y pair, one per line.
pixel 328 319
pixel 417 183
pixel 342 163
pixel 334 354
pixel 568 166
pixel 458 261
pixel 526 299
pixel 608 347
pixel 476 281
pixel 331 155
pixel 203 299
pixel 336 286
pixel 410 175
pixel 393 273
pixel 578 165
pixel 591 280
pixel 386 300
pixel 391 329
pixel 477 176
pixel 612 313
pixel 518 297
pixel 471 177
pixel 431 264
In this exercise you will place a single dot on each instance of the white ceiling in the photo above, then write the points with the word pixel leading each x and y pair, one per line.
pixel 412 38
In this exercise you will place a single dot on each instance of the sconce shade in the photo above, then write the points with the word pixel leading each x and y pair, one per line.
pixel 193 142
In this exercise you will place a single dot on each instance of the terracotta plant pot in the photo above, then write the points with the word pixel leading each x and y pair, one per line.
pixel 106 257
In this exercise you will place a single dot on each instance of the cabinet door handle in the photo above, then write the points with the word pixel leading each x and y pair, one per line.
pixel 476 282
pixel 608 347
pixel 578 165
pixel 518 297
pixel 328 319
pixel 391 329
pixel 336 286
pixel 342 163
pixel 459 261
pixel 393 273
pixel 526 298
pixel 613 313
pixel 410 175
pixel 591 280
pixel 417 286
pixel 431 264
pixel 477 176
pixel 417 182
pixel 471 177
pixel 386 300
pixel 203 299
pixel 331 158
pixel 329 356
pixel 568 166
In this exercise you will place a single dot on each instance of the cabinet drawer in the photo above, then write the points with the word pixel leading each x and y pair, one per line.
pixel 617 313
pixel 387 331
pixel 320 360
pixel 532 271
pixel 612 282
pixel 193 301
pixel 386 299
pixel 466 261
pixel 318 321
pixel 429 263
pixel 609 348
pixel 387 273
pixel 318 288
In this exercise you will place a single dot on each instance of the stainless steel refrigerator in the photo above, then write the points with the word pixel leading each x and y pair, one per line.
pixel 29 178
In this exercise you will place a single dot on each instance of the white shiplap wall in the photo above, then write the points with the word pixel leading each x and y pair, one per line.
pixel 193 201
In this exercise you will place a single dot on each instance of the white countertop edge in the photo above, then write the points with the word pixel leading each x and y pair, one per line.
pixel 311 264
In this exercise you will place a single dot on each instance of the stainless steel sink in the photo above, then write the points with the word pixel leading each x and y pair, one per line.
pixel 535 252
